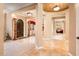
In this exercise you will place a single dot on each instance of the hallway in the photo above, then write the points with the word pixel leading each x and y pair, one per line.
pixel 26 47
pixel 54 31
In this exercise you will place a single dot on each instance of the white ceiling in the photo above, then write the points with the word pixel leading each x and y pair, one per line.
pixel 23 13
pixel 10 7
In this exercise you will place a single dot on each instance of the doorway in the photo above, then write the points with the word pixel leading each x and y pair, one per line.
pixel 31 25
pixel 20 28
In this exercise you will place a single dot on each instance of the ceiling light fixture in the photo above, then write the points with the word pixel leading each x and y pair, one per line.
pixel 29 14
pixel 56 8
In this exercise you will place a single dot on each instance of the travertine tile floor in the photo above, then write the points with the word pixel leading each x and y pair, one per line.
pixel 26 47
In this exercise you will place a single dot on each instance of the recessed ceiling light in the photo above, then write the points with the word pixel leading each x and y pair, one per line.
pixel 57 8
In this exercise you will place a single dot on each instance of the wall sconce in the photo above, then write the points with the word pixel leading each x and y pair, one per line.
pixel 13 16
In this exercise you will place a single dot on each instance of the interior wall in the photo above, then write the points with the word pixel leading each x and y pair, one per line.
pixel 77 29
pixel 23 15
pixel 48 22
pixel 2 26
pixel 18 15
pixel 25 23
pixel 47 25
pixel 9 25
pixel 72 29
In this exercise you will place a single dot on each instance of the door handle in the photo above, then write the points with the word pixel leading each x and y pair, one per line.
pixel 78 37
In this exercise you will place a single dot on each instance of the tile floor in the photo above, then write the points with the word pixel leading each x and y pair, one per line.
pixel 26 47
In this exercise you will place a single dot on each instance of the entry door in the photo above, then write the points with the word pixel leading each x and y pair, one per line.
pixel 20 29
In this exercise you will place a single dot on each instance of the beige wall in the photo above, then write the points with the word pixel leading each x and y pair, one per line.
pixel 1 29
pixel 9 25
pixel 25 24
pixel 48 22
pixel 77 29
pixel 48 25
pixel 72 29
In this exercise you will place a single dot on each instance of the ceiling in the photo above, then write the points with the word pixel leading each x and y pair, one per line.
pixel 23 13
pixel 22 7
pixel 48 7
pixel 10 7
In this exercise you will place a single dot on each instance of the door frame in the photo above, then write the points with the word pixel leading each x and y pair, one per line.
pixel 14 28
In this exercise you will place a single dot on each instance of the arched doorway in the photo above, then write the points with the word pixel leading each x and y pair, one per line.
pixel 20 28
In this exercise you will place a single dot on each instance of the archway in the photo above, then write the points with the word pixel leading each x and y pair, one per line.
pixel 20 28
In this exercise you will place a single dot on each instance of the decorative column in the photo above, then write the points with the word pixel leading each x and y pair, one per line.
pixel 14 29
pixel 38 26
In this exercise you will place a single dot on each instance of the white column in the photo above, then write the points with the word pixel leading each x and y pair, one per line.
pixel 38 26
pixel 26 27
